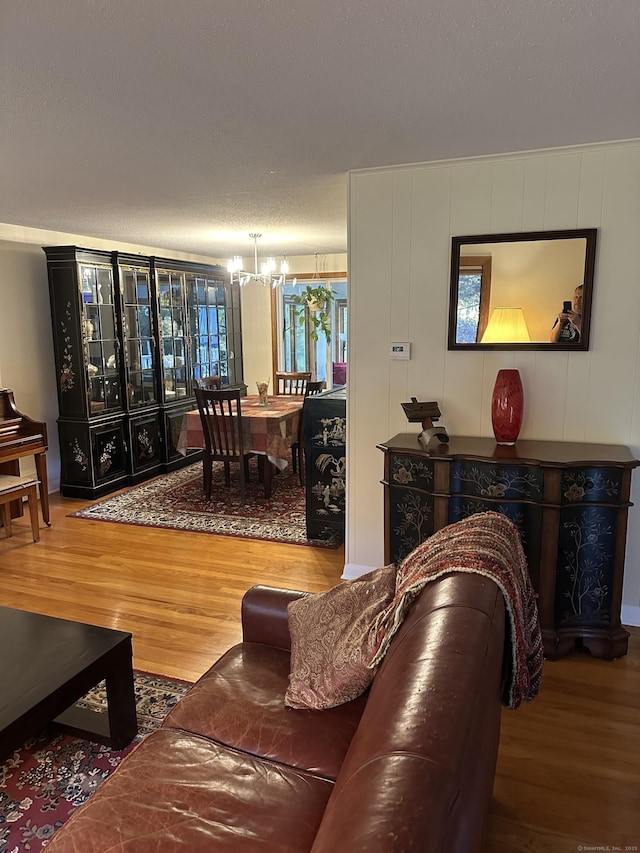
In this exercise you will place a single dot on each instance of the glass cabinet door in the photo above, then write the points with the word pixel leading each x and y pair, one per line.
pixel 208 327
pixel 138 336
pixel 100 337
pixel 173 334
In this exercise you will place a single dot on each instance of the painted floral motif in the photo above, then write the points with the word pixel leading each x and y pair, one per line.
pixel 79 456
pixel 585 566
pixel 405 470
pixel 106 457
pixel 580 484
pixel 146 446
pixel 67 374
pixel 574 492
pixel 496 482
pixel 416 523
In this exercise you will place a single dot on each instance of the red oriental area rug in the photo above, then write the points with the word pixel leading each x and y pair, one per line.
pixel 176 501
pixel 42 783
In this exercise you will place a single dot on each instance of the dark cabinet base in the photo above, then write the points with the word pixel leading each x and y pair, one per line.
pixel 569 502
pixel 601 643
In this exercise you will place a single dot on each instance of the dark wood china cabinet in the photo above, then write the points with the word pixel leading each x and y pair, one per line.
pixel 568 500
pixel 132 337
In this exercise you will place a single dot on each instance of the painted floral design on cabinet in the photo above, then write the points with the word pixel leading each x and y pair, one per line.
pixel 79 456
pixel 411 522
pixel 496 481
pixel 146 446
pixel 409 471
pixel 585 566
pixel 582 485
pixel 106 457
pixel 67 373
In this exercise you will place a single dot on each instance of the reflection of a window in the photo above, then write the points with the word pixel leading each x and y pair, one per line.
pixel 474 292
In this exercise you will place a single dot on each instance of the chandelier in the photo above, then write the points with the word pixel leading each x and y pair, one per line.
pixel 267 274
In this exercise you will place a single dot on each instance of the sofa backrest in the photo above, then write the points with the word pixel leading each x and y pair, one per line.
pixel 419 772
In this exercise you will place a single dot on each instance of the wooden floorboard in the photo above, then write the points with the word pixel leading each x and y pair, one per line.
pixel 569 763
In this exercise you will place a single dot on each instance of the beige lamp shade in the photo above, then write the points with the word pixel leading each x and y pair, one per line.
pixel 506 326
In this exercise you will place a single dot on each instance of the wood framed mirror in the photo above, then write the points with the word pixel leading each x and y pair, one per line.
pixel 528 290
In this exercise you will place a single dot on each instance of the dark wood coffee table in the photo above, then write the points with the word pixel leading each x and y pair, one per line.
pixel 47 664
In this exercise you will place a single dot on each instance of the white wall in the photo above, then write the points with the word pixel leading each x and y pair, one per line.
pixel 401 221
pixel 26 344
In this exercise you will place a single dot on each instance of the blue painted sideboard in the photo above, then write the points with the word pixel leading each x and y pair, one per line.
pixel 568 500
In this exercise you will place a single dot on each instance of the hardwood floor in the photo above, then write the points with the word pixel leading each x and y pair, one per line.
pixel 569 764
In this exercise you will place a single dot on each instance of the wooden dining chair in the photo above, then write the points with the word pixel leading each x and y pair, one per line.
pixel 221 418
pixel 297 448
pixel 210 383
pixel 294 384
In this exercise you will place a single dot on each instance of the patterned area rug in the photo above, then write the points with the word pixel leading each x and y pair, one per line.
pixel 176 501
pixel 43 782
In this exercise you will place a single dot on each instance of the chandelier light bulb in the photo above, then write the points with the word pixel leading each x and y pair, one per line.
pixel 267 274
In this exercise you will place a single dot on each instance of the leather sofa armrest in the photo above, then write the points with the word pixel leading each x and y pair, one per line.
pixel 264 615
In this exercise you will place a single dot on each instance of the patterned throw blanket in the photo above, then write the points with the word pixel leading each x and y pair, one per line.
pixel 487 544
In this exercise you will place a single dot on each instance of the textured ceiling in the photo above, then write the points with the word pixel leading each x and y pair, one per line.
pixel 186 124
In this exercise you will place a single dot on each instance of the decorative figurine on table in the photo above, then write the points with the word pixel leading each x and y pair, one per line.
pixel 426 414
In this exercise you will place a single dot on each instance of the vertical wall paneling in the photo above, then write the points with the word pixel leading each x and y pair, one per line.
pixel 589 396
pixel 371 230
pixel 534 193
pixel 562 191
pixel 507 192
pixel 401 289
pixel 429 227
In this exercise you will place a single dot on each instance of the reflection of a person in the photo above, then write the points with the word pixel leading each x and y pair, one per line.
pixel 568 325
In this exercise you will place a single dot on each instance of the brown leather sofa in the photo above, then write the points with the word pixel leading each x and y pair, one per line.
pixel 409 766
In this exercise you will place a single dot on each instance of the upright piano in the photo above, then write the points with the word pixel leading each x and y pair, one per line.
pixel 21 436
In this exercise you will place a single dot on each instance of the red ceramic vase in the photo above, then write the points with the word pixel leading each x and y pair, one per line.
pixel 507 406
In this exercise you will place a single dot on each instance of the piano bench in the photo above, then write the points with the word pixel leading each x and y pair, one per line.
pixel 13 488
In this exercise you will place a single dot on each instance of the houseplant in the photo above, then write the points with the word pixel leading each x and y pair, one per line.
pixel 318 300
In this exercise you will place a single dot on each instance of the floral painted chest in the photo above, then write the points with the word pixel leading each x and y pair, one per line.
pixel 568 500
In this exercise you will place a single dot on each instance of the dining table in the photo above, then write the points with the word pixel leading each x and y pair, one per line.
pixel 268 430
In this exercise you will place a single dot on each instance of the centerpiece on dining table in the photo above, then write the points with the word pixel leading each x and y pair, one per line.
pixel 262 387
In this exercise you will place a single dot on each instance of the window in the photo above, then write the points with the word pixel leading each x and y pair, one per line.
pixel 474 288
pixel 296 348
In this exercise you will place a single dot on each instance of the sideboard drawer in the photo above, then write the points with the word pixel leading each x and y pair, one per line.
pixel 592 485
pixel 495 480
pixel 409 470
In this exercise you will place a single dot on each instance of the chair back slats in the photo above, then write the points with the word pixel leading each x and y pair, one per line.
pixel 314 388
pixel 221 418
pixel 294 384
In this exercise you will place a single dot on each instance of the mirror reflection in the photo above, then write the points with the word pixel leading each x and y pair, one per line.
pixel 527 290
